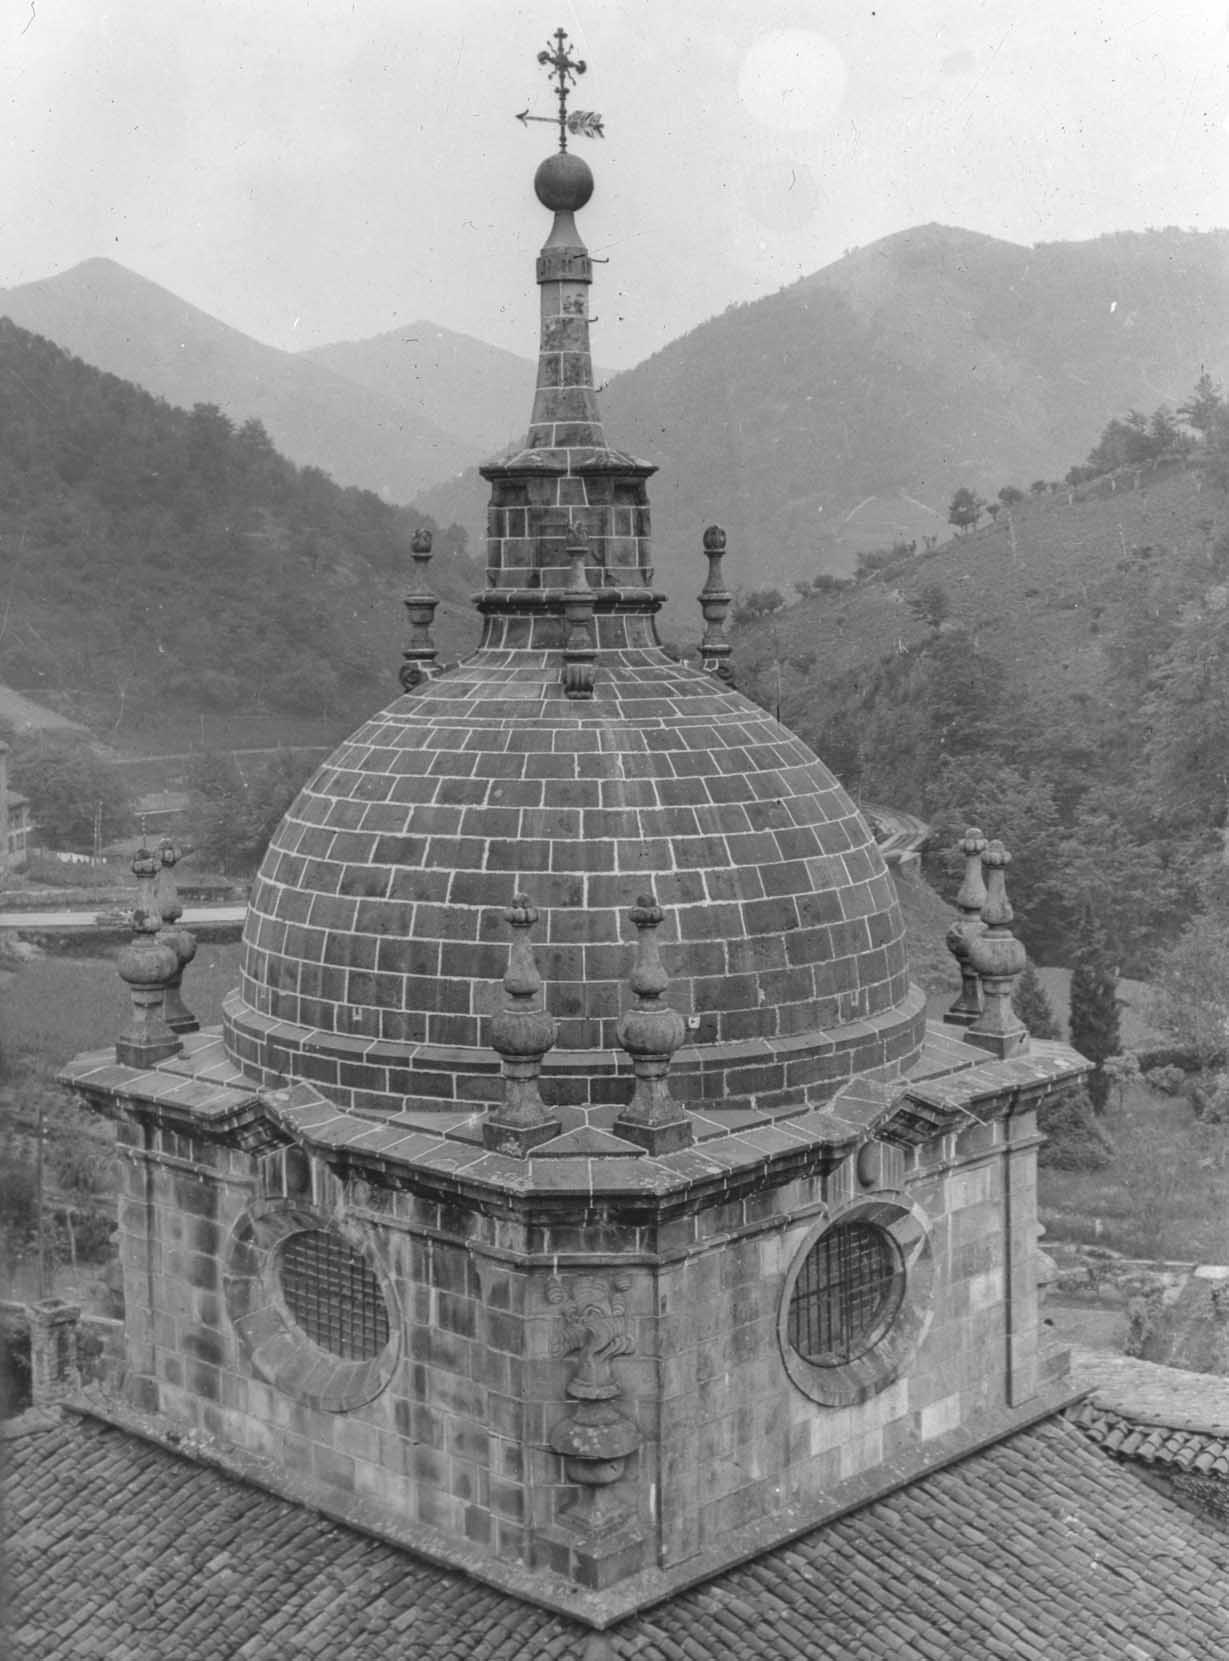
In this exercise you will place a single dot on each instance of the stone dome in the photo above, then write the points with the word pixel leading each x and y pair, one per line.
pixel 572 760
pixel 375 940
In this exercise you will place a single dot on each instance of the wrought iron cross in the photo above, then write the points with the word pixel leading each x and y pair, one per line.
pixel 565 70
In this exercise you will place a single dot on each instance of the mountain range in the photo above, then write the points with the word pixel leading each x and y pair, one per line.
pixel 843 412
pixel 459 383
pixel 837 415
pixel 162 565
pixel 341 408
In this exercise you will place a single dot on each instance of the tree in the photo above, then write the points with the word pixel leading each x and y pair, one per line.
pixel 1031 1004
pixel 1164 432
pixel 760 602
pixel 1122 1071
pixel 1016 807
pixel 1187 716
pixel 1039 487
pixel 965 509
pixel 1094 1008
pixel 932 604
pixel 1010 495
pixel 1204 407
pixel 1074 1139
pixel 1123 443
pixel 234 818
pixel 69 787
pixel 1115 864
pixel 1191 988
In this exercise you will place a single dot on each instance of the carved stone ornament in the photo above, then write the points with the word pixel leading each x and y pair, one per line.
pixel 579 641
pixel 999 958
pixel 970 899
pixel 598 1437
pixel 651 1031
pixel 521 1033
pixel 146 965
pixel 715 601
pixel 420 655
pixel 182 942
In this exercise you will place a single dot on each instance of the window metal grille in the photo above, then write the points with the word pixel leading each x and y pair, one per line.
pixel 849 1283
pixel 332 1293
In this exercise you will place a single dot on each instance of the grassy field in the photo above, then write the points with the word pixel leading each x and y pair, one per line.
pixel 1165 1194
pixel 53 1007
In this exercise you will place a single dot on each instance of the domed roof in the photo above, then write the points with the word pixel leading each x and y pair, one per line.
pixel 376 931
pixel 572 760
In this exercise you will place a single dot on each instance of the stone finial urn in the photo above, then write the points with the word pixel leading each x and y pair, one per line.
pixel 651 1031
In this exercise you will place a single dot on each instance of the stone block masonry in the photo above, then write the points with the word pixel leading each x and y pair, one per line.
pixel 449 1421
pixel 372 939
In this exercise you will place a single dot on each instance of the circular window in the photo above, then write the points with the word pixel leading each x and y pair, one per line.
pixel 315 1314
pixel 332 1294
pixel 857 1300
pixel 848 1289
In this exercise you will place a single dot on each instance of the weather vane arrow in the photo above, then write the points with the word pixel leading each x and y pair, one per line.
pixel 564 70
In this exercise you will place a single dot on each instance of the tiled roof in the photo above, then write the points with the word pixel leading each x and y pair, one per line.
pixel 1200 1452
pixel 1159 1415
pixel 1037 1549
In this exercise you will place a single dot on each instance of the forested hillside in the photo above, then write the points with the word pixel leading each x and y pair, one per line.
pixel 158 559
pixel 120 322
pixel 1060 677
pixel 844 410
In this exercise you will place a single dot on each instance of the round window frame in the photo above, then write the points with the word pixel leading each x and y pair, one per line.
pixel 275 1346
pixel 898 1331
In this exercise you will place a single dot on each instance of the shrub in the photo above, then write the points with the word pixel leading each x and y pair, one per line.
pixel 1166 1081
pixel 1075 1141
pixel 1122 1071
pixel 1034 1008
pixel 18 1207
pixel 1209 1098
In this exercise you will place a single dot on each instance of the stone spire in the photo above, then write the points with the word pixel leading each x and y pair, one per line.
pixel 650 1031
pixel 565 413
pixel 970 899
pixel 521 1033
pixel 420 655
pixel 146 965
pixel 998 957
pixel 567 476
pixel 182 942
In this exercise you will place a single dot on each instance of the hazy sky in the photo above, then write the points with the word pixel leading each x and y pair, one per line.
pixel 312 170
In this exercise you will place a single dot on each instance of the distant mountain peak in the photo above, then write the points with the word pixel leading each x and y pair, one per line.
pixel 132 327
pixel 843 412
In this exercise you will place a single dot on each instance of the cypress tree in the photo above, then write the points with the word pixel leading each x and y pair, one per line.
pixel 1033 1006
pixel 1094 1008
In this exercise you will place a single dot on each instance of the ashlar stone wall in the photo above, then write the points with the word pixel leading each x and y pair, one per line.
pixel 496 1310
